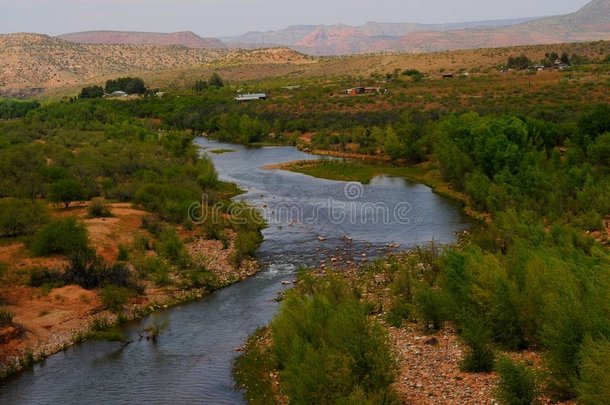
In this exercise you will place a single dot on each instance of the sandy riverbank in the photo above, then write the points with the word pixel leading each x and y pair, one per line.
pixel 47 321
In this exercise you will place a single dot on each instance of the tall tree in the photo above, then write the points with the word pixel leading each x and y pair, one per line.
pixel 216 81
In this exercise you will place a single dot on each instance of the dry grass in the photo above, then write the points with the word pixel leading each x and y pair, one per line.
pixel 31 63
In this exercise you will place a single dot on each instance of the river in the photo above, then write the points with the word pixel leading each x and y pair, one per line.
pixel 310 220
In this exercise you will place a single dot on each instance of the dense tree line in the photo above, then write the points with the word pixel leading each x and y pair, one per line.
pixel 518 62
pixel 16 108
pixel 130 85
pixel 215 81
pixel 118 157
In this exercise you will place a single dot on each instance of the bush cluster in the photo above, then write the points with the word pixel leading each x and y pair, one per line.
pixel 329 351
pixel 98 208
pixel 64 236
pixel 20 217
pixel 6 317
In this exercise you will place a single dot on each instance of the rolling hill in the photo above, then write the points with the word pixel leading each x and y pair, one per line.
pixel 185 38
pixel 33 63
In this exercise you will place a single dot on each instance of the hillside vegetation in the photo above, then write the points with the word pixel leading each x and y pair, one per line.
pixel 99 223
pixel 526 291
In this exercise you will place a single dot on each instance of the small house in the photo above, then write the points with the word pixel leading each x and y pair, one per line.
pixel 354 91
pixel 363 90
pixel 118 93
pixel 373 90
pixel 251 97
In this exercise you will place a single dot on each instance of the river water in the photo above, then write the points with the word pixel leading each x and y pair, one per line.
pixel 310 220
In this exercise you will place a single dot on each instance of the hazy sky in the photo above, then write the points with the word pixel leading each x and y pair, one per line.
pixel 216 18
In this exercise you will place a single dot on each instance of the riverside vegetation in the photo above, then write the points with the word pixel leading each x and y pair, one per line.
pixel 534 276
pixel 58 158
pixel 530 151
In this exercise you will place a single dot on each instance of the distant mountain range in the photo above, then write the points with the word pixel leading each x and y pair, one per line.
pixel 346 39
pixel 592 22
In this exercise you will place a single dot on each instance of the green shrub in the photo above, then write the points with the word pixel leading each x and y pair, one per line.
pixel 41 275
pixel 155 269
pixel 252 369
pixel 245 245
pixel 6 317
pixel 216 231
pixel 99 209
pixel 479 356
pixel 594 385
pixel 21 217
pixel 141 243
pixel 430 306
pixel 329 351
pixel 115 297
pixel 117 274
pixel 27 360
pixel 102 329
pixel 399 312
pixel 153 224
pixel 65 235
pixel 199 277
pixel 123 255
pixel 89 271
pixel 504 316
pixel 171 247
pixel 517 384
pixel 3 269
pixel 403 284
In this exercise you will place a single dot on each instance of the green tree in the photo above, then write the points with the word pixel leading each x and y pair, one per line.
pixel 21 168
pixel 21 217
pixel 10 108
pixel 66 191
pixel 64 235
pixel 92 92
pixel 518 62
pixel 216 81
pixel 392 145
pixel 600 150
pixel 130 85
pixel 200 85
